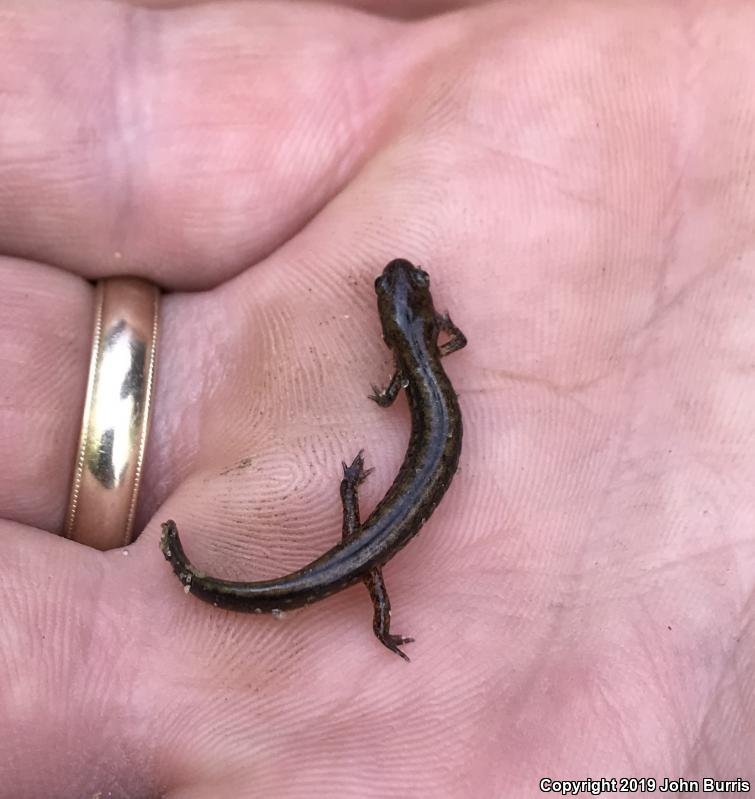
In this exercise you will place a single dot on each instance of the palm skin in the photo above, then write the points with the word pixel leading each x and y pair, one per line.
pixel 577 180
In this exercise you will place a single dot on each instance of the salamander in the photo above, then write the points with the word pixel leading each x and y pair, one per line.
pixel 411 327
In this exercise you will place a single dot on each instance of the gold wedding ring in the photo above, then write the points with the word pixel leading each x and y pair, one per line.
pixel 116 415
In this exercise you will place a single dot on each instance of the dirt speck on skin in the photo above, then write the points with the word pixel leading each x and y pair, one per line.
pixel 244 463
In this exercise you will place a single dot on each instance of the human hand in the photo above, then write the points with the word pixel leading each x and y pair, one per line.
pixel 577 182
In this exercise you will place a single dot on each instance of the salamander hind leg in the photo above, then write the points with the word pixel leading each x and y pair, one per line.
pixel 353 476
pixel 381 622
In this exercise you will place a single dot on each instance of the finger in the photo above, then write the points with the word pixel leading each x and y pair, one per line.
pixel 45 338
pixel 73 646
pixel 180 146
pixel 400 9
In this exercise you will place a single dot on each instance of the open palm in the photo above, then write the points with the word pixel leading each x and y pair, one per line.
pixel 578 183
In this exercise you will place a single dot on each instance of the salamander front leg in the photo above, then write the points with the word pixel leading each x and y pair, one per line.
pixel 387 396
pixel 456 341
pixel 381 621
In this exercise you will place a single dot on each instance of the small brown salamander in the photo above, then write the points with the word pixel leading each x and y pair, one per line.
pixel 411 326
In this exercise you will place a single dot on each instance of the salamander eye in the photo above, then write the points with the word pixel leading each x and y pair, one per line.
pixel 380 283
pixel 420 278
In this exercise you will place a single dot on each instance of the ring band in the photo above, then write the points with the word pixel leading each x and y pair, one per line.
pixel 116 414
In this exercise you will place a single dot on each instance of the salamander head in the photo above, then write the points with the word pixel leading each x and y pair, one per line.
pixel 404 301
